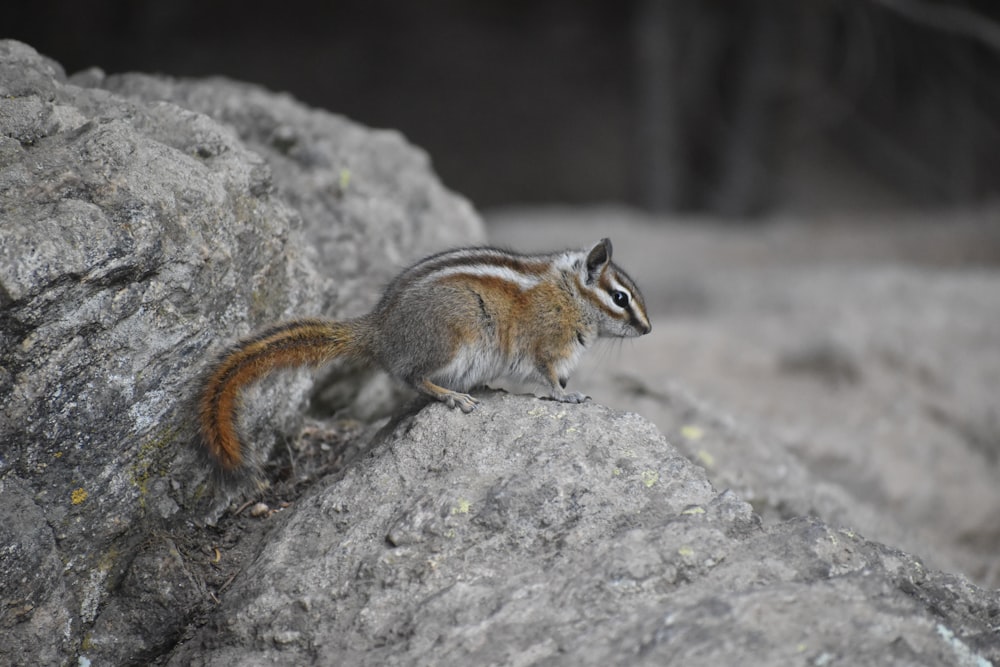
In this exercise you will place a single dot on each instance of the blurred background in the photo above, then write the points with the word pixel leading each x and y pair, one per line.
pixel 737 109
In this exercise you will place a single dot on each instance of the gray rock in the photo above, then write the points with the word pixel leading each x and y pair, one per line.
pixel 144 224
pixel 532 532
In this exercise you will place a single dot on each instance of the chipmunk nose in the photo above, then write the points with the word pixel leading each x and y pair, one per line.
pixel 641 325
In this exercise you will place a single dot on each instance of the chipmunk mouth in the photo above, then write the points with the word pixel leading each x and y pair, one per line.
pixel 643 327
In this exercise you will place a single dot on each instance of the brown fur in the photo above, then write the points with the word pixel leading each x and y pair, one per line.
pixel 289 345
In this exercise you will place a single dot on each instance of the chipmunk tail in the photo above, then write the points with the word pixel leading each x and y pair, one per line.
pixel 293 344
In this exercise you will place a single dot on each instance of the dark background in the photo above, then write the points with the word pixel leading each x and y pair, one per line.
pixel 733 107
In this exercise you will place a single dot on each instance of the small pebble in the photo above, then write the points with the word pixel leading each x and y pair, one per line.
pixel 259 510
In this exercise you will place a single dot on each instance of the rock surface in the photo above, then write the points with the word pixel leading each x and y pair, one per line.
pixel 532 532
pixel 147 222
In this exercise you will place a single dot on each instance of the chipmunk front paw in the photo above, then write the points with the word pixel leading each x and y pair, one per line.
pixel 569 397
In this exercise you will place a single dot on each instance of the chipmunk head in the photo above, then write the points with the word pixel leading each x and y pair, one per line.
pixel 614 297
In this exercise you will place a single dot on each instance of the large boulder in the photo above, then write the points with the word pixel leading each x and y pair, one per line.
pixel 533 532
pixel 144 223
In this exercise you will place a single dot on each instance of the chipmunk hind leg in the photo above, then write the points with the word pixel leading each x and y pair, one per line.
pixel 432 368
pixel 448 381
pixel 438 346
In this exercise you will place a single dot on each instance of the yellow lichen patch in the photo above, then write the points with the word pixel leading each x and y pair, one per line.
pixel 462 507
pixel 649 477
pixel 692 433
pixel 78 496
pixel 706 458
pixel 149 449
pixel 200 491
pixel 143 468
pixel 108 560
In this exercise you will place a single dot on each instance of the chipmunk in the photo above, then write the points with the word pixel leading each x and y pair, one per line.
pixel 449 323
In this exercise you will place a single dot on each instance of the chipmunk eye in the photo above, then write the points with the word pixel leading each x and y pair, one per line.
pixel 620 298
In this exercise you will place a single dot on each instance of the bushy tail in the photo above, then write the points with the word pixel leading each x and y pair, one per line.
pixel 307 342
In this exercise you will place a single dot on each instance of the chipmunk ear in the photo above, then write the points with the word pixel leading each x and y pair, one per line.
pixel 599 257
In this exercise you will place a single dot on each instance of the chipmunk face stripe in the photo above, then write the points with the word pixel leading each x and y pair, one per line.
pixel 605 291
pixel 635 308
pixel 617 296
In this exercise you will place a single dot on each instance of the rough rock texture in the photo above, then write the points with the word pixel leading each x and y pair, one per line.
pixel 145 223
pixel 532 532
